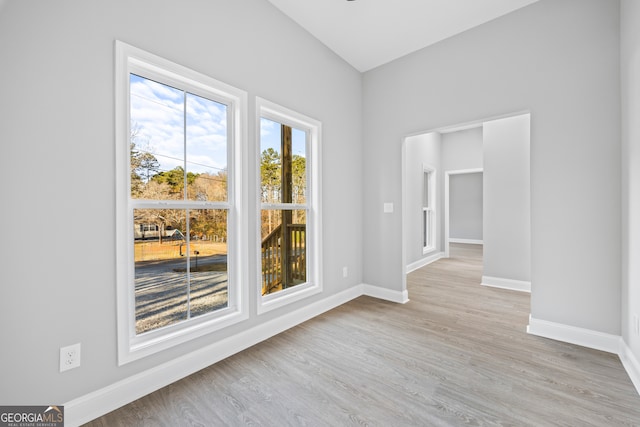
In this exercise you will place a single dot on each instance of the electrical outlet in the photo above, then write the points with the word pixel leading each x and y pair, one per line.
pixel 69 357
pixel 345 272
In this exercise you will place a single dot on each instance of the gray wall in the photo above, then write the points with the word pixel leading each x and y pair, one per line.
pixel 558 59
pixel 465 206
pixel 57 133
pixel 462 149
pixel 630 60
pixel 507 207
pixel 421 150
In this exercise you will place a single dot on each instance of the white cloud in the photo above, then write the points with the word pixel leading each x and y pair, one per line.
pixel 157 112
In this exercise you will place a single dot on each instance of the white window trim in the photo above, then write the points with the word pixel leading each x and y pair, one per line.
pixel 269 110
pixel 129 59
pixel 430 245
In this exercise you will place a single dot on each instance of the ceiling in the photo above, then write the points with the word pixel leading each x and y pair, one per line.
pixel 369 33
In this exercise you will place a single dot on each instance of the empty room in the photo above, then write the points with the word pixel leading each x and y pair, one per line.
pixel 227 212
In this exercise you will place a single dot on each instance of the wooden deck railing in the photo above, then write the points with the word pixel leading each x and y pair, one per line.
pixel 283 267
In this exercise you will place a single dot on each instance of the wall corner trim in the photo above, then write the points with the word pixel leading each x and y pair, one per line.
pixel 97 403
pixel 422 262
pixel 400 297
pixel 630 363
pixel 574 335
pixel 592 339
pixel 513 285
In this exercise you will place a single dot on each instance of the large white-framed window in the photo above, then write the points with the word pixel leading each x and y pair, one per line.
pixel 428 209
pixel 289 206
pixel 179 231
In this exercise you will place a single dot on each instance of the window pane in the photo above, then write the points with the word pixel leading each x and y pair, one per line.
pixel 161 286
pixel 283 168
pixel 299 166
pixel 425 229
pixel 208 261
pixel 157 140
pixel 284 253
pixel 206 149
pixel 426 201
pixel 270 168
pixel 178 277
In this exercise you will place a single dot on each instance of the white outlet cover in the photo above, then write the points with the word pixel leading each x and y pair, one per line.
pixel 69 357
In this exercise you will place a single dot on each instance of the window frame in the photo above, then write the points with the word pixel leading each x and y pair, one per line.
pixel 313 130
pixel 131 60
pixel 428 209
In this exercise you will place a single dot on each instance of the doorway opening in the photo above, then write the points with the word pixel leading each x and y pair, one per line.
pixel 493 154
pixel 463 207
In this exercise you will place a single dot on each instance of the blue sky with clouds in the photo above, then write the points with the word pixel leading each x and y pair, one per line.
pixel 157 112
pixel 270 137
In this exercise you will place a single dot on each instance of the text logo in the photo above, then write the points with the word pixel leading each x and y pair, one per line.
pixel 32 416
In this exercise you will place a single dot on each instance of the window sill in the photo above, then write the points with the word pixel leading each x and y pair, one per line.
pixel 286 297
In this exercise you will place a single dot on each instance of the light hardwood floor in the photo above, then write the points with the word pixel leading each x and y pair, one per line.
pixel 456 354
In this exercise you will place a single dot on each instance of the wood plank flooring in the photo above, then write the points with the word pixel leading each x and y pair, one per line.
pixel 457 354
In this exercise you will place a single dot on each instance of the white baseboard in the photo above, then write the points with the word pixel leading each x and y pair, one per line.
pixel 631 364
pixel 466 241
pixel 401 297
pixel 574 335
pixel 424 261
pixel 514 285
pixel 591 339
pixel 107 399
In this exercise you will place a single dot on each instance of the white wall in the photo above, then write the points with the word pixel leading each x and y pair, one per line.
pixel 57 133
pixel 56 80
pixel 462 149
pixel 630 68
pixel 558 59
pixel 421 150
pixel 507 207
pixel 465 206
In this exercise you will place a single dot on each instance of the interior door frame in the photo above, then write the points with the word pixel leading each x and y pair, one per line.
pixel 447 175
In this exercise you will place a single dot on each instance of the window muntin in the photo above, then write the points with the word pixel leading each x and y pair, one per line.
pixel 178 226
pixel 289 206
